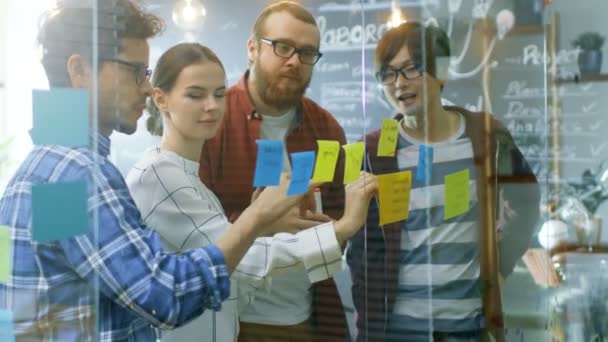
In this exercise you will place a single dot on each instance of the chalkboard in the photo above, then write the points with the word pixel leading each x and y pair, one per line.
pixel 344 80
pixel 516 88
pixel 520 100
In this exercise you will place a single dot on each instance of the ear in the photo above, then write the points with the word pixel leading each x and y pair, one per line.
pixel 252 49
pixel 442 68
pixel 160 100
pixel 79 71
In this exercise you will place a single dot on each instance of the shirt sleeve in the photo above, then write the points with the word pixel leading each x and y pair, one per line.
pixel 315 251
pixel 127 261
pixel 189 215
pixel 518 202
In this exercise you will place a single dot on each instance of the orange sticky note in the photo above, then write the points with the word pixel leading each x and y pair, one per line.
pixel 456 194
pixel 388 138
pixel 394 196
pixel 327 157
pixel 5 253
pixel 353 161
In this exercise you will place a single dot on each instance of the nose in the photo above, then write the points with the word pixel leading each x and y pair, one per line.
pixel 294 60
pixel 401 81
pixel 212 103
pixel 146 87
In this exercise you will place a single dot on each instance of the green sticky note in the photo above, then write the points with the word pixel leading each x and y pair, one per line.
pixel 327 157
pixel 388 138
pixel 456 194
pixel 353 160
pixel 5 253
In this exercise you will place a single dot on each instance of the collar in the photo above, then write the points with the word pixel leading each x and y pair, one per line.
pixel 103 143
pixel 247 103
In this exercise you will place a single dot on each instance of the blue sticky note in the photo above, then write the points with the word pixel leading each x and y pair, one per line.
pixel 269 163
pixel 425 163
pixel 59 211
pixel 6 326
pixel 60 117
pixel 302 165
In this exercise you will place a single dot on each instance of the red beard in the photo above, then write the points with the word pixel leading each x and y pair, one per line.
pixel 283 90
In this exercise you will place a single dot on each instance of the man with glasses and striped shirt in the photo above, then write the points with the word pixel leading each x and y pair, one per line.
pixel 436 275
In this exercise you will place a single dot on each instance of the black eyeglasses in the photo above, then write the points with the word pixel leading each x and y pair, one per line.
pixel 284 50
pixel 389 75
pixel 140 70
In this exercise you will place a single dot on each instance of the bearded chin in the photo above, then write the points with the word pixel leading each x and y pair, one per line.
pixel 277 95
pixel 283 98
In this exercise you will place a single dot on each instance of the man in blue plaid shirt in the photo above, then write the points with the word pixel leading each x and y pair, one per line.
pixel 116 284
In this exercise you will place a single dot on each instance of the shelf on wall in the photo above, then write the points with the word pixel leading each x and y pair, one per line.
pixel 489 26
pixel 581 79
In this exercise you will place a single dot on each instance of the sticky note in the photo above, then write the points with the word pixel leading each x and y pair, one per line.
pixel 425 163
pixel 394 196
pixel 269 163
pixel 353 161
pixel 59 211
pixel 302 164
pixel 5 253
pixel 327 157
pixel 6 326
pixel 60 117
pixel 388 138
pixel 456 194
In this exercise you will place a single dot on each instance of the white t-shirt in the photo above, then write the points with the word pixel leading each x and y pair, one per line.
pixel 173 200
pixel 275 128
pixel 288 301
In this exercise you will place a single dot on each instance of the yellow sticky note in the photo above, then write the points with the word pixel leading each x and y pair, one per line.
pixel 388 138
pixel 327 157
pixel 5 253
pixel 353 161
pixel 394 196
pixel 456 194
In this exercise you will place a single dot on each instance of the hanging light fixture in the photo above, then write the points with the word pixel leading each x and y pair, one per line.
pixel 189 15
pixel 396 17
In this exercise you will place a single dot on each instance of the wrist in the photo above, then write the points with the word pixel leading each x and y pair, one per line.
pixel 251 224
pixel 343 228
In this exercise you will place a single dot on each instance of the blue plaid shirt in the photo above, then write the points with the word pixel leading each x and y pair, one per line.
pixel 117 285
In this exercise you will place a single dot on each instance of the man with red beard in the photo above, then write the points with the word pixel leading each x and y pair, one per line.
pixel 269 103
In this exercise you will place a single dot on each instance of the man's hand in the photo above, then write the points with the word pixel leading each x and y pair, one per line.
pixel 358 195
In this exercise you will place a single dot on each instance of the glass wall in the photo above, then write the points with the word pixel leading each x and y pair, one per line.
pixel 480 119
pixel 48 169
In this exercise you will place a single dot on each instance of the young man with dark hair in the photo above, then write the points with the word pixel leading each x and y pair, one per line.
pixel 435 276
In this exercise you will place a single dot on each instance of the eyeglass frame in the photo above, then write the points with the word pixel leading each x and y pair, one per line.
pixel 140 70
pixel 401 71
pixel 295 50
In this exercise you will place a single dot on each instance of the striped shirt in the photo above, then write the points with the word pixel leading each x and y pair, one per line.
pixel 439 287
pixel 114 283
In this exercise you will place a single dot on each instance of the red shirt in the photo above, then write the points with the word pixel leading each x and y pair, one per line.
pixel 228 160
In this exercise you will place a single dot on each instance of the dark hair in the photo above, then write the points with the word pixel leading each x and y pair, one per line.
pixel 168 69
pixel 295 9
pixel 436 44
pixel 68 30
